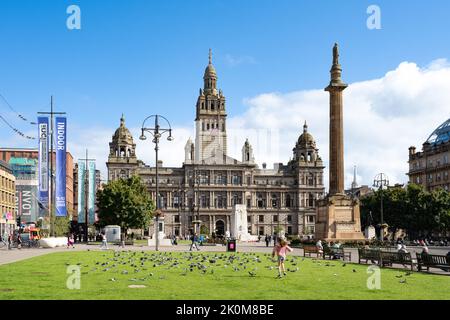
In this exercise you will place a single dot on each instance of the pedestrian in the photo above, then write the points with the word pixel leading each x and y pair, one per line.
pixel 281 250
pixel 267 239
pixel 9 241
pixel 70 241
pixel 104 242
pixel 319 246
pixel 19 241
pixel 194 240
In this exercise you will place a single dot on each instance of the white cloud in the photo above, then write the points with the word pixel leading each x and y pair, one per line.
pixel 382 118
pixel 234 61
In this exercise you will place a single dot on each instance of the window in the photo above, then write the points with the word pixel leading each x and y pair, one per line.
pixel 249 219
pixel 261 202
pixel 311 200
pixel 249 203
pixel 289 230
pixel 275 218
pixel 288 201
pixel 261 218
pixel 236 198
pixel 274 201
pixel 311 219
pixel 289 218
pixel 311 180
pixel 261 231
pixel 176 219
pixel 236 179
pixel 249 181
pixel 221 200
pixel 190 219
pixel 204 200
pixel 221 178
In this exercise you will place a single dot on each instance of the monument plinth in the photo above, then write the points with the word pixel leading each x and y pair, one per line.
pixel 338 215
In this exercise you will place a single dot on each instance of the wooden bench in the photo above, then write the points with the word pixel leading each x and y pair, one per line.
pixel 369 254
pixel 388 258
pixel 308 250
pixel 432 261
pixel 336 253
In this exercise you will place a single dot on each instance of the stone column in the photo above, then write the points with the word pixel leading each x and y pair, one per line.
pixel 335 88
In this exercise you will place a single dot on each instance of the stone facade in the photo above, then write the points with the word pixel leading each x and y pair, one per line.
pixel 431 167
pixel 209 182
pixel 7 199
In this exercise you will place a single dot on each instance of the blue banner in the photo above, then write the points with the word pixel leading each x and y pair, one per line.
pixel 60 183
pixel 43 168
pixel 91 199
pixel 81 210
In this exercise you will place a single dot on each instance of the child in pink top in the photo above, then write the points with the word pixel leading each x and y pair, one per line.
pixel 281 250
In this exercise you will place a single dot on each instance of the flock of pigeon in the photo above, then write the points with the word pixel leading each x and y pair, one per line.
pixel 146 265
pixel 142 266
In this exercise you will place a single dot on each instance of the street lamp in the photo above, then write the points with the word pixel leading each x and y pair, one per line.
pixel 157 132
pixel 381 180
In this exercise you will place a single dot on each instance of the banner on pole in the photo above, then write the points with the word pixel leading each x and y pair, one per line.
pixel 81 192
pixel 91 199
pixel 60 179
pixel 43 169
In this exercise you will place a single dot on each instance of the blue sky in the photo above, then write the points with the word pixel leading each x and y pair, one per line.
pixel 145 57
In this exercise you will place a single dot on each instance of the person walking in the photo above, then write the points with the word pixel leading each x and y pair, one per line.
pixel 267 240
pixel 194 239
pixel 9 241
pixel 104 242
pixel 69 240
pixel 19 241
pixel 281 250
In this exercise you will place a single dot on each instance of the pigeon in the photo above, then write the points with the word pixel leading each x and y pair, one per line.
pixel 399 276
pixel 252 274
pixel 354 270
pixel 403 281
pixel 294 270
pixel 344 264
pixel 112 279
pixel 124 272
pixel 408 273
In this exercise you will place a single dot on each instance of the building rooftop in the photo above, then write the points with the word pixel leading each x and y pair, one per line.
pixel 441 134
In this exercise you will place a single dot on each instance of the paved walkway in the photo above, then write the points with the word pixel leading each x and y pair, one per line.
pixel 9 256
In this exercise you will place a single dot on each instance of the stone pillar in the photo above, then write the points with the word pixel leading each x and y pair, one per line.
pixel 335 88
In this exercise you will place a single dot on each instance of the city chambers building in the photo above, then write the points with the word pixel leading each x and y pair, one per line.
pixel 202 192
pixel 431 167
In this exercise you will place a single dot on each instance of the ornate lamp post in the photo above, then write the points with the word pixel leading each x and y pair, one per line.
pixel 157 133
pixel 381 180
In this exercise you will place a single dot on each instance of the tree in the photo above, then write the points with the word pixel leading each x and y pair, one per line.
pixel 412 208
pixel 126 203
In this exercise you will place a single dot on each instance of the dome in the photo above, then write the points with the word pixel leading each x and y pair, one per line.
pixel 306 139
pixel 122 133
pixel 210 71
pixel 441 134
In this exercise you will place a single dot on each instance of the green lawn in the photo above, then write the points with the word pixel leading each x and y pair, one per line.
pixel 45 277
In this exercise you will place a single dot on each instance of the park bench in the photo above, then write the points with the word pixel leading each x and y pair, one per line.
pixel 369 254
pixel 388 258
pixel 309 250
pixel 336 252
pixel 433 261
